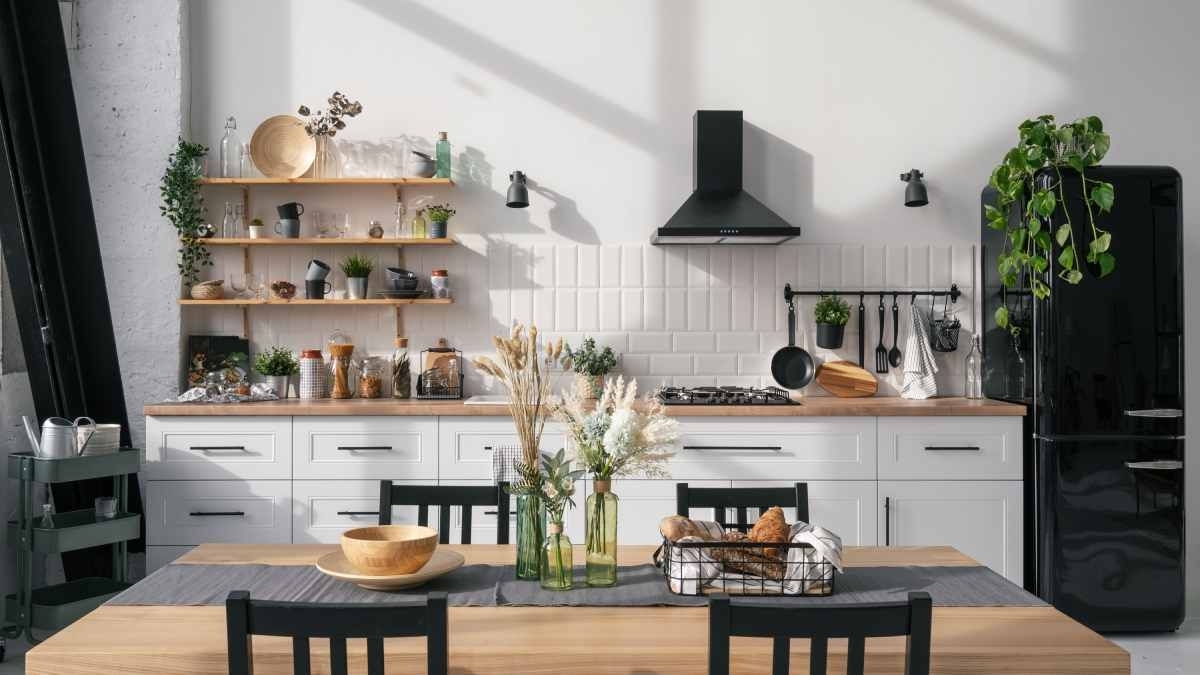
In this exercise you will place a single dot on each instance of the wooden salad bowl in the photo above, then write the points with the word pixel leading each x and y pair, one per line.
pixel 389 549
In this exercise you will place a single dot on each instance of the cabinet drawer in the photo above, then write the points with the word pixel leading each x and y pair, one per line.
pixel 465 444
pixel 323 510
pixel 181 513
pixel 948 448
pixel 214 448
pixel 834 448
pixel 365 447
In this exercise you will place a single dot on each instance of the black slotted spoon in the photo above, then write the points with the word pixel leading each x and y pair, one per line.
pixel 881 352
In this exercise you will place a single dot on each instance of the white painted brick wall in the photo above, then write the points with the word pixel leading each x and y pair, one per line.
pixel 678 315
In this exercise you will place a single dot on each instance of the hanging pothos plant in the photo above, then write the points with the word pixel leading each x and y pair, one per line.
pixel 1035 244
pixel 184 207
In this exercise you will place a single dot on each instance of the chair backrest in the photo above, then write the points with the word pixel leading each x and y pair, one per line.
pixel 445 496
pixel 819 623
pixel 301 621
pixel 719 499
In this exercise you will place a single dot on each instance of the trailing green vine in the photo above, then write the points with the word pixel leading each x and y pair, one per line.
pixel 1034 245
pixel 184 207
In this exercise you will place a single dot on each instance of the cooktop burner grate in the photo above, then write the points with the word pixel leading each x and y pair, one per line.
pixel 724 396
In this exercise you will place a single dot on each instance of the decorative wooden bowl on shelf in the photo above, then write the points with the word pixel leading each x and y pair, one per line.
pixel 281 148
pixel 389 549
pixel 208 290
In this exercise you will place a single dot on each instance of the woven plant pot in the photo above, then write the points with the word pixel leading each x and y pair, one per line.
pixel 208 290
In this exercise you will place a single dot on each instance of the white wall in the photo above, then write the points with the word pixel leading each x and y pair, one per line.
pixel 593 100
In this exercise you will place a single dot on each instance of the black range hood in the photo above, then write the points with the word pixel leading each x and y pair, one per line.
pixel 719 210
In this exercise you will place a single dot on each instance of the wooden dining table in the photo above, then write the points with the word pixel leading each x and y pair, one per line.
pixel 563 640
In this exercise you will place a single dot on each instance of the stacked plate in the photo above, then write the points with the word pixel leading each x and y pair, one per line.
pixel 106 440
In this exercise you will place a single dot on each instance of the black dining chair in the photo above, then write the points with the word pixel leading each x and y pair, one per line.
pixel 819 623
pixel 445 496
pixel 720 499
pixel 302 621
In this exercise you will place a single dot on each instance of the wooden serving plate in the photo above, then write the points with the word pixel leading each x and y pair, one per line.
pixel 443 562
pixel 844 379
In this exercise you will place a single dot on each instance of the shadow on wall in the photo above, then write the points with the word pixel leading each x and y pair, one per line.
pixel 565 218
pixel 778 173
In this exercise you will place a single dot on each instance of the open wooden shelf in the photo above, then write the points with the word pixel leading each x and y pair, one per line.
pixel 237 302
pixel 398 181
pixel 327 241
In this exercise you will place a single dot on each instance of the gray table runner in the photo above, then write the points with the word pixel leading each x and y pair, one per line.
pixel 496 585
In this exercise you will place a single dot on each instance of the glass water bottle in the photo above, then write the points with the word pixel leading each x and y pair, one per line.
pixel 974 370
pixel 232 151
pixel 228 223
pixel 442 152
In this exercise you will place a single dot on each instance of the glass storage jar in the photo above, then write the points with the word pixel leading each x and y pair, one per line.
pixel 370 377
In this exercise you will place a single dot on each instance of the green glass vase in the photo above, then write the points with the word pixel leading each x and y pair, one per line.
pixel 601 550
pixel 557 562
pixel 531 528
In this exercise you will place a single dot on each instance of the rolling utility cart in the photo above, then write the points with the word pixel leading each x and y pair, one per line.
pixel 53 607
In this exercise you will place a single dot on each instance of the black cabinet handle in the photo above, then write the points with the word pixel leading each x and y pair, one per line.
pixel 217 513
pixel 358 513
pixel 952 448
pixel 217 448
pixel 365 448
pixel 496 513
pixel 773 448
pixel 887 521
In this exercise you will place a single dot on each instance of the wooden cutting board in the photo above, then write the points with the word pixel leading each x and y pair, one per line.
pixel 844 379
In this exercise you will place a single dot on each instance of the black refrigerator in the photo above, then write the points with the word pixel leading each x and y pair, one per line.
pixel 1100 366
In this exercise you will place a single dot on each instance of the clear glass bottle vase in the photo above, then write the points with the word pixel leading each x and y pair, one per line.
pixel 600 512
pixel 531 528
pixel 557 561
pixel 327 163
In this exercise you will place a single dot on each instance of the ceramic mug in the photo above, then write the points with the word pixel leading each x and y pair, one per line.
pixel 256 231
pixel 290 210
pixel 317 270
pixel 315 289
pixel 288 228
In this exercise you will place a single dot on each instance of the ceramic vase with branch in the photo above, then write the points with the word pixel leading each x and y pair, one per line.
pixel 619 436
pixel 323 125
pixel 527 368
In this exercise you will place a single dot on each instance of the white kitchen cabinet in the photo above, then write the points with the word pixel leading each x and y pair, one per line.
pixel 844 507
pixel 368 447
pixel 947 448
pixel 980 518
pixel 465 444
pixel 186 513
pixel 218 448
pixel 763 448
pixel 643 503
pixel 323 509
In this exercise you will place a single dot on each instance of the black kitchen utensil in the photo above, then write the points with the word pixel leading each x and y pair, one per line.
pixel 792 367
pixel 862 332
pixel 895 354
pixel 881 352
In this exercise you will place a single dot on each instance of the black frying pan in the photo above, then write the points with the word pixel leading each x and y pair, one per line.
pixel 792 366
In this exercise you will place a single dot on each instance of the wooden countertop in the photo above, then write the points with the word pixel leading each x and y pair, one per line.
pixel 813 406
pixel 599 640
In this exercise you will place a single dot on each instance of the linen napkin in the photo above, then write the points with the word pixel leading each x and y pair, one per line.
pixel 919 366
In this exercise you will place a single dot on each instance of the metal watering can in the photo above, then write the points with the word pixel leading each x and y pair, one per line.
pixel 61 438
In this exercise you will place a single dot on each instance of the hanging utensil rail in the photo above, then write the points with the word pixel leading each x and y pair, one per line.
pixel 953 292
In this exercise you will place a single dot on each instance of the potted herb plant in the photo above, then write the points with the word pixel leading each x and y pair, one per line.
pixel 831 313
pixel 357 268
pixel 591 365
pixel 183 206
pixel 438 215
pixel 277 365
pixel 558 485
pixel 614 438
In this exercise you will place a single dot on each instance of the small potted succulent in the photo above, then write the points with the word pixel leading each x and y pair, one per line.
pixel 357 268
pixel 277 365
pixel 831 313
pixel 591 364
pixel 438 214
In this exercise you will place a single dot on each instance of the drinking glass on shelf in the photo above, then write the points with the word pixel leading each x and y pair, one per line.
pixel 257 283
pixel 345 231
pixel 323 224
pixel 237 284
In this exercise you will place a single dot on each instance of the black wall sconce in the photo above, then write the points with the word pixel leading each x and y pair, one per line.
pixel 518 192
pixel 915 194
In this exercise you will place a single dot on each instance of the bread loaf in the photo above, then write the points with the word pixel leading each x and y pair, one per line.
pixel 771 528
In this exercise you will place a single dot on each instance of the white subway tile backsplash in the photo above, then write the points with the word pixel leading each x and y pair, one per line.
pixel 680 315
pixel 694 342
pixel 650 342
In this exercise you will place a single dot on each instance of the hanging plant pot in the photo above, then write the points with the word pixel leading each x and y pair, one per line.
pixel 830 336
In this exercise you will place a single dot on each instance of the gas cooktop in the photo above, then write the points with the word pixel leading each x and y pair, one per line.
pixel 724 396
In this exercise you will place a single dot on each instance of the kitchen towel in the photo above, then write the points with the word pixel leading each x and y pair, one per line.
pixel 496 585
pixel 919 366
